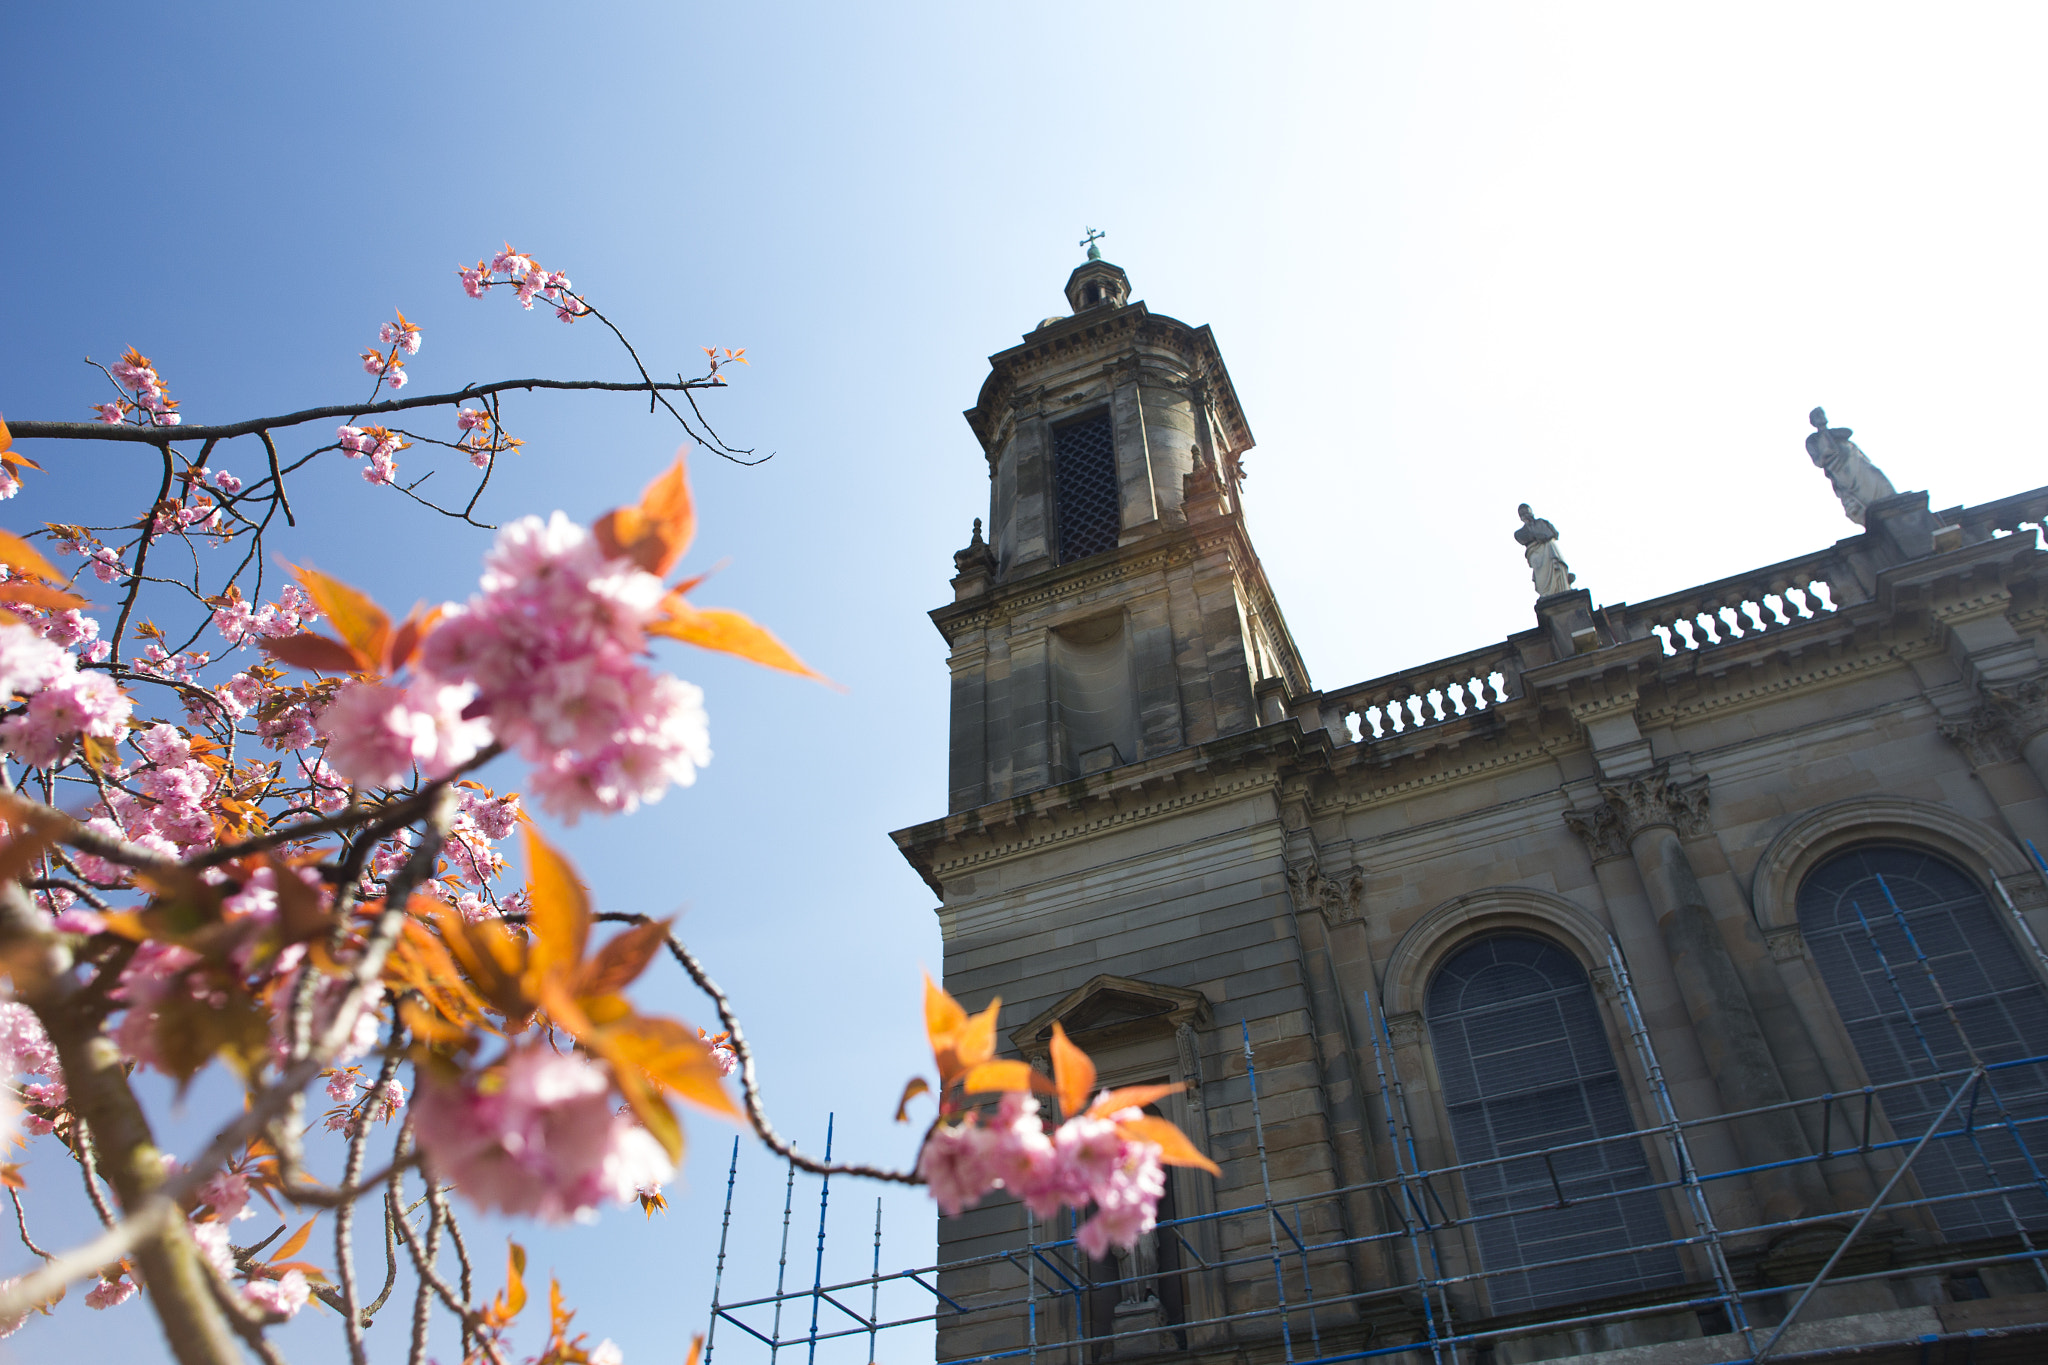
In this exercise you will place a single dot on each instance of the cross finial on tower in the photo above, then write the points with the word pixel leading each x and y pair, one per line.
pixel 1094 252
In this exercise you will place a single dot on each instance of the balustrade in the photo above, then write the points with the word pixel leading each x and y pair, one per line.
pixel 1421 697
pixel 1742 607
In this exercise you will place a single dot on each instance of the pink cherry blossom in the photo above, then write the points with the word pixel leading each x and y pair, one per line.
pixel 469 419
pixel 373 362
pixel 28 662
pixel 395 378
pixel 110 1293
pixel 376 734
pixel 111 413
pixel 228 1194
pixel 954 1165
pixel 542 1140
pixel 226 482
pixel 403 333
pixel 107 564
pixel 474 281
pixel 282 1297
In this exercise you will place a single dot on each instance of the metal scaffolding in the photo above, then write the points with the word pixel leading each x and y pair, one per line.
pixel 1274 1287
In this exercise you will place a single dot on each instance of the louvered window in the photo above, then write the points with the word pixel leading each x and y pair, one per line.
pixel 1525 1066
pixel 1085 488
pixel 1998 1000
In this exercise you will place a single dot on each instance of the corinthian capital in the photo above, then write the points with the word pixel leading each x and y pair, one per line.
pixel 2022 706
pixel 1647 801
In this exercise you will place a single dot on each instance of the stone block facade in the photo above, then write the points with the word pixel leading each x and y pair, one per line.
pixel 1261 861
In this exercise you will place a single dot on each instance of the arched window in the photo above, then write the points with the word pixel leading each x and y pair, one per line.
pixel 1997 997
pixel 1525 1066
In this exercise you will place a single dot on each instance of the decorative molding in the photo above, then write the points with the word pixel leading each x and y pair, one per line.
pixel 1600 827
pixel 1407 1028
pixel 1446 928
pixel 2022 706
pixel 1131 815
pixel 1648 801
pixel 1819 834
pixel 1787 944
pixel 1983 736
pixel 1999 726
pixel 1109 1010
pixel 1338 901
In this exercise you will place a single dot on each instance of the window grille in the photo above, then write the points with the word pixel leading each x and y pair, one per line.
pixel 1525 1065
pixel 1085 488
pixel 1996 995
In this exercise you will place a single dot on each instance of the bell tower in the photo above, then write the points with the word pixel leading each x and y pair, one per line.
pixel 1116 612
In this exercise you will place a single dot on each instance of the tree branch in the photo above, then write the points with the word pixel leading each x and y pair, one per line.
pixel 158 436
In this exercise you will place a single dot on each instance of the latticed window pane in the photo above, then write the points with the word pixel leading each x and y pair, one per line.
pixel 1085 491
pixel 1901 1030
pixel 1525 1067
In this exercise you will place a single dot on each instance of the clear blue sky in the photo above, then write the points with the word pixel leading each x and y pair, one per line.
pixel 1602 259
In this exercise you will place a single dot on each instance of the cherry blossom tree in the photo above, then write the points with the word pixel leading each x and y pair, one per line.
pixel 304 882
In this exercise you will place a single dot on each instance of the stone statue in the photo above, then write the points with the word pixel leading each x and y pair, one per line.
pixel 1857 482
pixel 1539 543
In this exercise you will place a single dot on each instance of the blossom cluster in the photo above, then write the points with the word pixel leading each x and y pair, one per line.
pixel 239 623
pixel 1085 1160
pixel 381 444
pixel 527 279
pixel 389 369
pixel 536 1135
pixel 64 704
pixel 546 660
pixel 148 396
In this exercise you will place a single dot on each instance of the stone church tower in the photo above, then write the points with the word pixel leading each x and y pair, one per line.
pixel 1593 981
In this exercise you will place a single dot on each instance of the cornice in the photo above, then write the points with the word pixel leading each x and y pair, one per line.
pixel 1168 549
pixel 1071 341
pixel 1225 769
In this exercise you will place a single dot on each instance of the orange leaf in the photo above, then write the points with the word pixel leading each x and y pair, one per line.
pixel 917 1086
pixel 1130 1097
pixel 560 915
pixel 696 1349
pixel 23 591
pixel 655 533
pixel 300 916
pixel 943 1015
pixel 729 632
pixel 315 654
pixel 1072 1072
pixel 622 959
pixel 405 641
pixel 17 553
pixel 19 853
pixel 295 1243
pixel 1174 1147
pixel 358 620
pixel 677 1059
pixel 977 1040
pixel 508 1304
pixel 994 1077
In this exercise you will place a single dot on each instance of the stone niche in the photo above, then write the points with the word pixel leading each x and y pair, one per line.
pixel 1095 707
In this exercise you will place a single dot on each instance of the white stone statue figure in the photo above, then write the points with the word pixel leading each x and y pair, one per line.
pixel 1539 544
pixel 1857 482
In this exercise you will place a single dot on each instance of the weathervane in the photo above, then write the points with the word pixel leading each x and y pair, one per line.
pixel 1094 252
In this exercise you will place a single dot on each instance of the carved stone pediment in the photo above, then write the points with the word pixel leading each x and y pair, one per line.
pixel 1340 899
pixel 1109 1010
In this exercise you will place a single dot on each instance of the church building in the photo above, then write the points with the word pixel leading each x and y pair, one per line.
pixel 1657 984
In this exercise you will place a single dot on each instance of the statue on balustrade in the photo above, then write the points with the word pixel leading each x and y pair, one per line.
pixel 1538 539
pixel 1857 482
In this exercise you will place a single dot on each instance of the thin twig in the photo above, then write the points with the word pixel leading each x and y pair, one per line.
pixel 757 1113
pixel 151 435
pixel 21 1221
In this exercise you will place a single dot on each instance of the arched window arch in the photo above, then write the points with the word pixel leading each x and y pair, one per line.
pixel 1998 999
pixel 1524 1064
